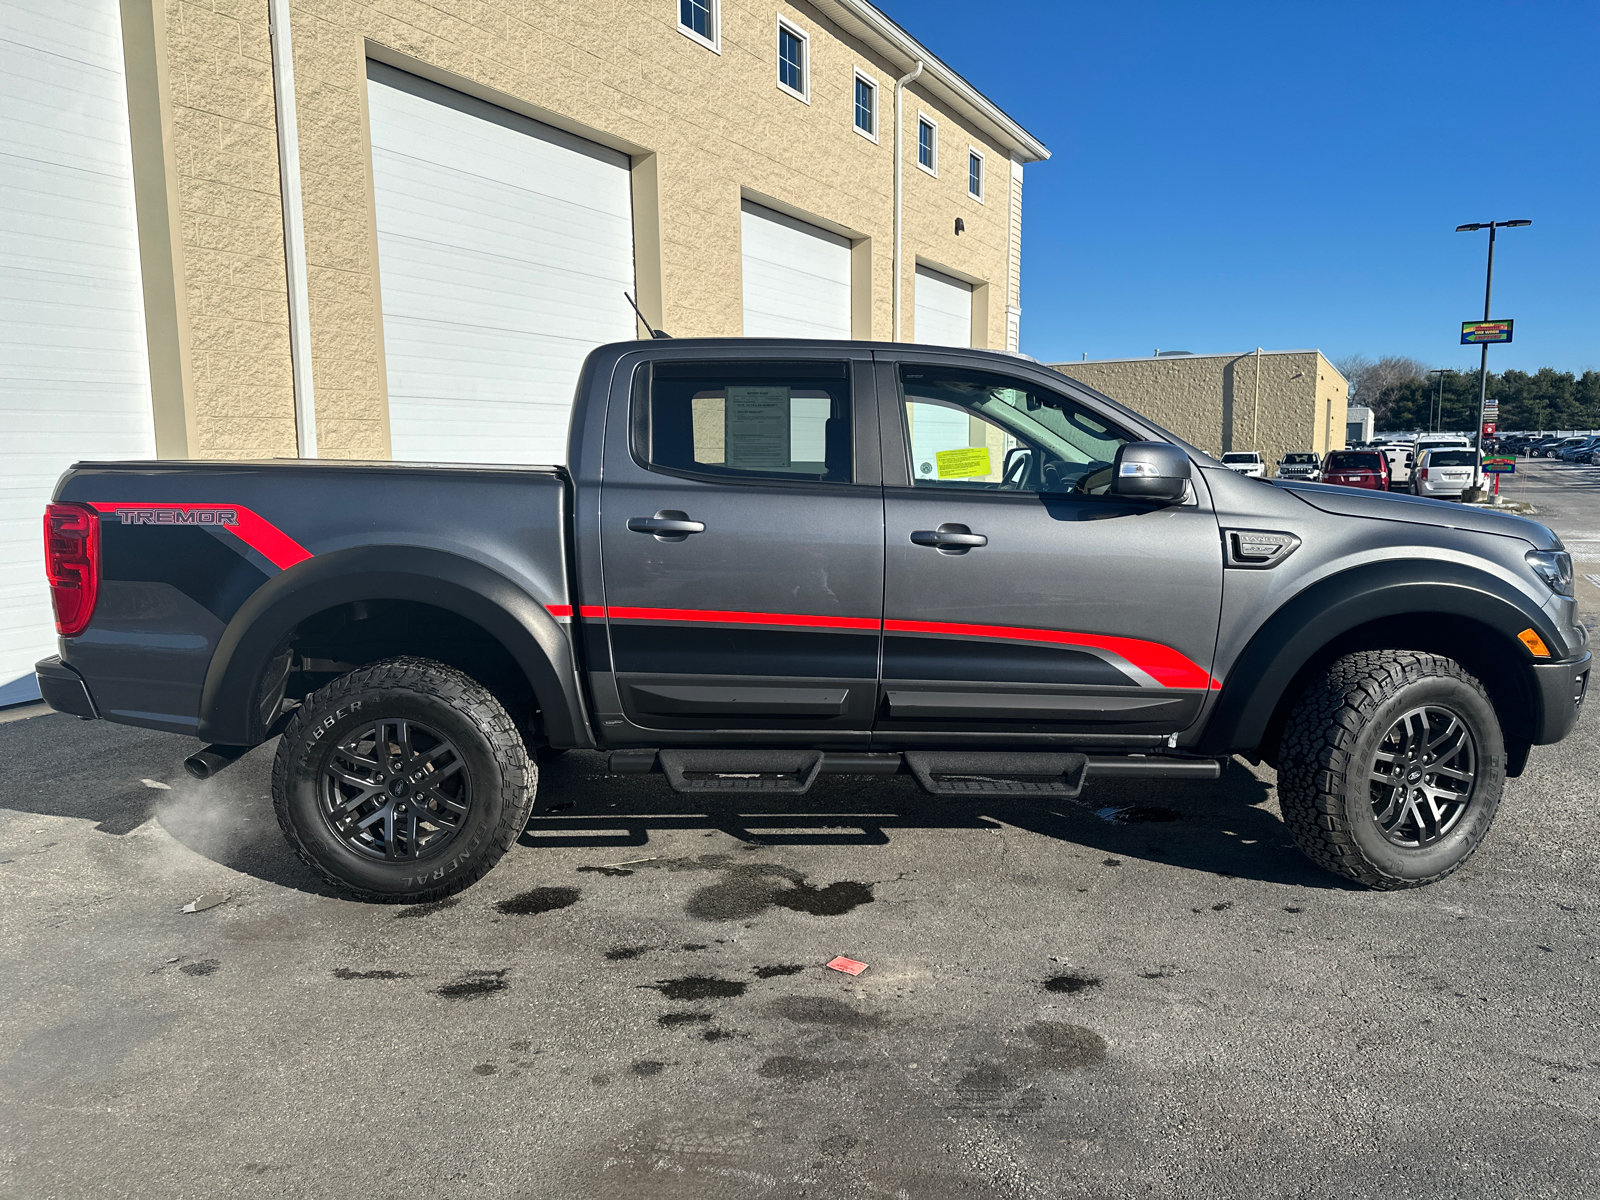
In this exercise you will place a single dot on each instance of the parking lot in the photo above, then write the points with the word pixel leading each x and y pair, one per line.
pixel 1146 993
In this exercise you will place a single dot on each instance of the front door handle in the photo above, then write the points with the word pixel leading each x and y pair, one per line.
pixel 668 525
pixel 949 538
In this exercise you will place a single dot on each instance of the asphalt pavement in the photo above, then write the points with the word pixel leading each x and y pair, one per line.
pixel 1146 993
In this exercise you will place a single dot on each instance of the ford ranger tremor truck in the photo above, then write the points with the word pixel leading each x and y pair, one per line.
pixel 768 560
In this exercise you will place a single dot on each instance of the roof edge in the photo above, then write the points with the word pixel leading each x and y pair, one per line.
pixel 1062 366
pixel 864 19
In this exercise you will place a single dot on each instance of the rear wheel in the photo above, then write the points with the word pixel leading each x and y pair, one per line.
pixel 1391 768
pixel 402 782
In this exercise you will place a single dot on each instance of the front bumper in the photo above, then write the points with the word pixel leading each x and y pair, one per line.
pixel 63 688
pixel 1561 687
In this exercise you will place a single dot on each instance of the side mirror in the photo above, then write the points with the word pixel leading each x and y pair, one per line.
pixel 1150 471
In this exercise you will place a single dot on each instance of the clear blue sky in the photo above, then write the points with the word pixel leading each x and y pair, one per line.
pixel 1289 175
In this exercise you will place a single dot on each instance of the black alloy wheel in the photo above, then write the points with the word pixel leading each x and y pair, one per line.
pixel 402 782
pixel 1391 768
pixel 396 789
pixel 1423 777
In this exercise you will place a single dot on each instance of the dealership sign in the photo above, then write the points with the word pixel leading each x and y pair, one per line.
pixel 1483 333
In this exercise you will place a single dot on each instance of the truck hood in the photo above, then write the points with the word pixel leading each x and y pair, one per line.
pixel 1387 506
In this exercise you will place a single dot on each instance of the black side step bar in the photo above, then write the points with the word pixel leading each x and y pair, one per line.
pixel 942 772
pixel 991 773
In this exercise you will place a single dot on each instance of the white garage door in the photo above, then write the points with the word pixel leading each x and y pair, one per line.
pixel 796 277
pixel 944 310
pixel 74 378
pixel 504 248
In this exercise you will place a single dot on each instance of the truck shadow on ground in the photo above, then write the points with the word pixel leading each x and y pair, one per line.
pixel 120 778
pixel 1226 827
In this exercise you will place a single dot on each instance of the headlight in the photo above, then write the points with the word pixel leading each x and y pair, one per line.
pixel 1554 567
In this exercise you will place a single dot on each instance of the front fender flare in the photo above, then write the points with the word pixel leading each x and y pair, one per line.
pixel 1312 619
pixel 533 638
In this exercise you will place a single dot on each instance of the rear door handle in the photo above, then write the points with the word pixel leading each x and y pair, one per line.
pixel 949 538
pixel 669 525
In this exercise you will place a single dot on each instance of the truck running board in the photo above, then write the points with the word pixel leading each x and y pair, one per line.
pixel 990 773
pixel 786 772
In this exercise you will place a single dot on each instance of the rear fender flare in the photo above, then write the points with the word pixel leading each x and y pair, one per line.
pixel 1307 623
pixel 533 638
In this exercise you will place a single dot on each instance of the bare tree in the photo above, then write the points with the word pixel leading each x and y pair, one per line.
pixel 1375 384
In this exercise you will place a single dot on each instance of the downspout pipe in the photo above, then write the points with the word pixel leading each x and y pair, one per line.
pixel 899 184
pixel 294 227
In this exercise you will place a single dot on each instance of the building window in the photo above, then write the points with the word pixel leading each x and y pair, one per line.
pixel 866 106
pixel 927 145
pixel 792 66
pixel 975 175
pixel 698 19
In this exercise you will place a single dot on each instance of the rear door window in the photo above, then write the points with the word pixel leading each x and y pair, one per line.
pixel 1452 458
pixel 732 421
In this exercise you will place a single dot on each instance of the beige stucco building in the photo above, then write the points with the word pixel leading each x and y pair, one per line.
pixel 1273 402
pixel 343 252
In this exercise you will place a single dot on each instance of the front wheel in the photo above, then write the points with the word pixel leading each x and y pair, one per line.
pixel 1391 768
pixel 402 782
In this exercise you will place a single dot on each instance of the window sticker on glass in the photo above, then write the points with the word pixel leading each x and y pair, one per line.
pixel 756 428
pixel 963 464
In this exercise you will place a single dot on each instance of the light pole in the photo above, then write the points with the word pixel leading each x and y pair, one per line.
pixel 1488 287
pixel 1435 422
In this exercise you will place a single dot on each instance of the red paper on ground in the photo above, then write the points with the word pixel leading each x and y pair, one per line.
pixel 848 965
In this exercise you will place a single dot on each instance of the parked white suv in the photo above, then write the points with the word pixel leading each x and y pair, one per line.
pixel 1246 462
pixel 1304 465
pixel 1445 472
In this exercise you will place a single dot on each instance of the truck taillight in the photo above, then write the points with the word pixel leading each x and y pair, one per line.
pixel 72 564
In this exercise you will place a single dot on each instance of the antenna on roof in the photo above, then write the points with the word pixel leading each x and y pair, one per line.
pixel 655 333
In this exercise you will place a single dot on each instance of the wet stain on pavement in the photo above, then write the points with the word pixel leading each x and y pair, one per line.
pixel 1070 983
pixel 1290 908
pixel 1062 1047
pixel 539 900
pixel 427 910
pixel 692 946
pixel 647 1067
pixel 832 901
pixel 347 973
pixel 822 1010
pixel 699 987
pixel 795 1070
pixel 474 984
pixel 622 953
pixel 1112 862
pixel 609 872
pixel 715 1035
pixel 485 1069
pixel 773 972
pixel 682 1018
pixel 206 966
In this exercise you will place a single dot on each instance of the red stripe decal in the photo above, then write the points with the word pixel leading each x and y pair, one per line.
pixel 795 620
pixel 1165 665
pixel 558 610
pixel 1162 663
pixel 254 530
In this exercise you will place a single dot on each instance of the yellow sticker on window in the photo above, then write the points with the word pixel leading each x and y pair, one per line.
pixel 963 464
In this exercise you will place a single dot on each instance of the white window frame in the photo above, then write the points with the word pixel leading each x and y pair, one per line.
pixel 983 173
pixel 714 44
pixel 876 95
pixel 924 119
pixel 804 95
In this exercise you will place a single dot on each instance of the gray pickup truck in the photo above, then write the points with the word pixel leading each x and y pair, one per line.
pixel 769 560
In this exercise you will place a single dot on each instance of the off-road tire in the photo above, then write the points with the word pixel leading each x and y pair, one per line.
pixel 503 778
pixel 1329 747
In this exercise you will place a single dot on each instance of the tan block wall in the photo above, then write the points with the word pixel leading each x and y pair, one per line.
pixel 1214 401
pixel 716 125
pixel 231 224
